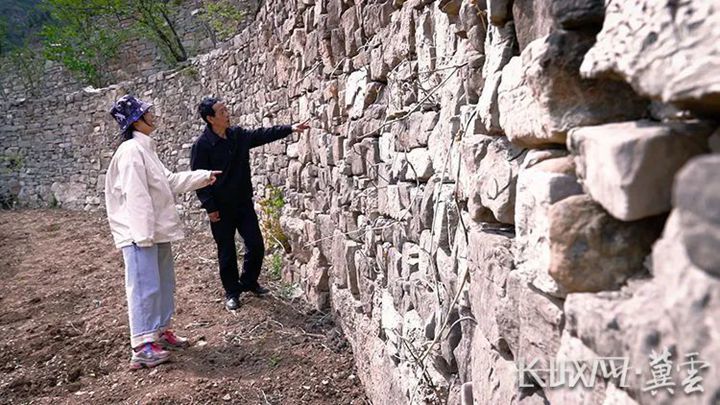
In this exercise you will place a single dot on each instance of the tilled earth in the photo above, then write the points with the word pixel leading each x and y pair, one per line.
pixel 64 334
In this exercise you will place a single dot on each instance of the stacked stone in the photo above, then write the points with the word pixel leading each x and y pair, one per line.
pixel 486 182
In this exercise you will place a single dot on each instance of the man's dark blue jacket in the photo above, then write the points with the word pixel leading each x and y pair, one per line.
pixel 232 156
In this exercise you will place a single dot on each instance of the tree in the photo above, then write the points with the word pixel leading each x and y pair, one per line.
pixel 156 22
pixel 27 64
pixel 223 17
pixel 81 37
pixel 4 42
pixel 84 35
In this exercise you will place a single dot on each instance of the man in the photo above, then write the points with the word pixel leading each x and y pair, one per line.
pixel 229 202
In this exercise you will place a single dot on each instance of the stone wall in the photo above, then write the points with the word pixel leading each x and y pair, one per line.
pixel 486 182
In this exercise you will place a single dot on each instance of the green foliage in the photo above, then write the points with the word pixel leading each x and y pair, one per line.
pixel 223 17
pixel 4 36
pixel 274 360
pixel 11 162
pixel 272 209
pixel 276 264
pixel 27 63
pixel 287 291
pixel 155 20
pixel 20 20
pixel 83 36
pixel 191 72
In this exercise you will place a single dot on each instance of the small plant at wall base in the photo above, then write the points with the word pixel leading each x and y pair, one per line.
pixel 191 72
pixel 275 266
pixel 11 162
pixel 271 211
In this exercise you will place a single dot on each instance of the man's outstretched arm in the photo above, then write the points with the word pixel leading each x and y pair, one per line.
pixel 262 136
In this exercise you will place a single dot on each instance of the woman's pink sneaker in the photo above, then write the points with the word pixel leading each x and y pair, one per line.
pixel 169 340
pixel 149 355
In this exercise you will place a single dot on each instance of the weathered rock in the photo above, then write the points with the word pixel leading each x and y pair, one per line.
pixel 499 11
pixel 68 195
pixel 541 95
pixel 355 92
pixel 495 377
pixel 446 217
pixel 534 330
pixel 489 263
pixel 642 40
pixel 538 187
pixel 583 237
pixel 573 350
pixel 696 199
pixel 419 165
pixel 490 166
pixel 629 167
pixel 500 46
pixel 316 283
pixel 578 14
pixel 294 228
pixel 532 20
pixel 675 310
pixel 415 130
pixel 472 24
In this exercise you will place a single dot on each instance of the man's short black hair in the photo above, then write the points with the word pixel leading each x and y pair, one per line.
pixel 206 108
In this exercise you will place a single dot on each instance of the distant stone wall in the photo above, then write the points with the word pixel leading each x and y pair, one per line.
pixel 486 182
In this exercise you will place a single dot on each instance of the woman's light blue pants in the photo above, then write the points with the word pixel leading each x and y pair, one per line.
pixel 150 288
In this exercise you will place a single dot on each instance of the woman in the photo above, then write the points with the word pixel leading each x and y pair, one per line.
pixel 139 197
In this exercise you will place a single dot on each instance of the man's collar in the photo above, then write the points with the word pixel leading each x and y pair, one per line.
pixel 144 140
pixel 212 136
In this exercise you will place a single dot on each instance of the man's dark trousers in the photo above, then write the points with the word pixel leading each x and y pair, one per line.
pixel 244 220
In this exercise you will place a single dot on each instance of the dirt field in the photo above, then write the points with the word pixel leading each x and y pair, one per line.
pixel 64 334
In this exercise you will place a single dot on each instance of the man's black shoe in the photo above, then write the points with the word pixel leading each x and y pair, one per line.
pixel 232 303
pixel 259 290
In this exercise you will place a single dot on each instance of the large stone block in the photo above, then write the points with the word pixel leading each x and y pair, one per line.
pixel 419 165
pixel 538 187
pixel 592 251
pixel 537 18
pixel 495 377
pixel 578 14
pixel 356 91
pixel 490 165
pixel 629 167
pixel 499 11
pixel 666 50
pixel 473 24
pixel 541 95
pixel 537 321
pixel 489 263
pixel 500 46
pixel 676 310
pixel 316 281
pixel 532 19
pixel 414 131
pixel 572 351
pixel 697 203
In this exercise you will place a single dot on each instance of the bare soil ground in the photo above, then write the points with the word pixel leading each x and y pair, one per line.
pixel 64 334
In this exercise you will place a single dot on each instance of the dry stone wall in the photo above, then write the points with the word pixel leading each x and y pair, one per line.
pixel 486 182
